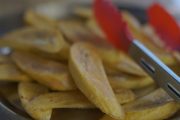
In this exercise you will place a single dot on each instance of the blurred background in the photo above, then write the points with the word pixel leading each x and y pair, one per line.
pixel 11 11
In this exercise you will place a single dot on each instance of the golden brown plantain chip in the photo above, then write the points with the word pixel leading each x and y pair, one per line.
pixel 120 62
pixel 83 12
pixel 148 30
pixel 28 91
pixel 89 75
pixel 10 72
pixel 129 81
pixel 132 21
pixel 124 95
pixel 67 99
pixel 62 55
pixel 145 90
pixel 92 25
pixel 47 72
pixel 75 31
pixel 35 19
pixel 32 39
pixel 154 106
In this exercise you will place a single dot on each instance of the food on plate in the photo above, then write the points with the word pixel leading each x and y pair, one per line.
pixel 66 67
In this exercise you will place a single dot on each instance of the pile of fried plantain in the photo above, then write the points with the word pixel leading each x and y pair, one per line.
pixel 66 67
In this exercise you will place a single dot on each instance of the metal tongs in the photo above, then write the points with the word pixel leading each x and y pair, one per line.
pixel 111 22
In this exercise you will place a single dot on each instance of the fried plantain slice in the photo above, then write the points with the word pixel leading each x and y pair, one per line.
pixel 32 39
pixel 148 30
pixel 129 81
pixel 10 72
pixel 35 19
pixel 132 21
pixel 92 25
pixel 69 99
pixel 62 55
pixel 75 31
pixel 124 95
pixel 27 92
pixel 89 75
pixel 83 12
pixel 47 72
pixel 154 106
pixel 119 61
pixel 145 90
